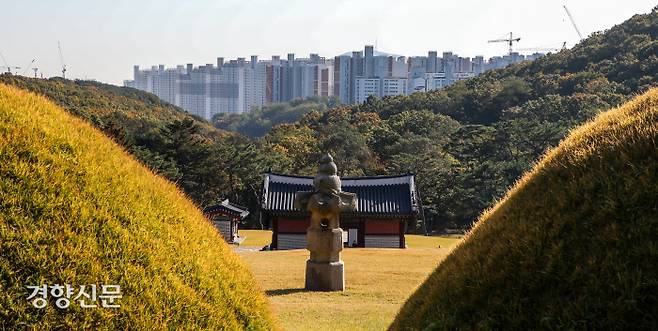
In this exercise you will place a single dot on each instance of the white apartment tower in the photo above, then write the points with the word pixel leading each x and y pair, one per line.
pixel 238 86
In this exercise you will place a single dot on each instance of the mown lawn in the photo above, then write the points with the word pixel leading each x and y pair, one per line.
pixel 260 238
pixel 257 238
pixel 378 282
pixel 416 241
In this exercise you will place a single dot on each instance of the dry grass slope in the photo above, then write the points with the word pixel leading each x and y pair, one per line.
pixel 76 209
pixel 573 245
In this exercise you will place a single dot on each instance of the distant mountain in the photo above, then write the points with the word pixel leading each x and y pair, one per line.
pixel 571 246
pixel 76 209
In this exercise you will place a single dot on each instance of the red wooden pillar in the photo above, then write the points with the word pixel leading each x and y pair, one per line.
pixel 361 240
pixel 403 229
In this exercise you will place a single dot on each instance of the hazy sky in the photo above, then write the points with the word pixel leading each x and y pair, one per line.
pixel 103 39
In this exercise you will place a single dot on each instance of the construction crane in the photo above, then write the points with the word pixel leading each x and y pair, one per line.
pixel 61 60
pixel 573 22
pixel 5 62
pixel 7 65
pixel 27 67
pixel 509 40
pixel 35 69
pixel 9 69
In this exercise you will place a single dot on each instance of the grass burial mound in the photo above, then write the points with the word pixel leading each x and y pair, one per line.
pixel 573 246
pixel 76 209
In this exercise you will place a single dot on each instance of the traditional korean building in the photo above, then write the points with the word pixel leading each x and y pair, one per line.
pixel 226 216
pixel 386 207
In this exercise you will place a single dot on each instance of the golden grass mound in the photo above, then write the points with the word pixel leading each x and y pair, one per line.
pixel 76 209
pixel 573 246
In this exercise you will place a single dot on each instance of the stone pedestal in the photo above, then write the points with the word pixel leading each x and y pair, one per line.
pixel 325 276
pixel 324 269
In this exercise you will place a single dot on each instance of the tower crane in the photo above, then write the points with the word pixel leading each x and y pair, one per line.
pixel 7 65
pixel 573 22
pixel 27 67
pixel 61 60
pixel 9 69
pixel 509 40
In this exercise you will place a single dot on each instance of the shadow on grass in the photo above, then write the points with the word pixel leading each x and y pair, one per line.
pixel 284 291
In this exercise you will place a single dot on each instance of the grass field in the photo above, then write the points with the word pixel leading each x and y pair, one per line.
pixel 261 238
pixel 257 238
pixel 416 241
pixel 378 281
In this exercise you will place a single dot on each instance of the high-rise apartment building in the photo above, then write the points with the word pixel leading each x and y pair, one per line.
pixel 298 78
pixel 203 91
pixel 366 87
pixel 342 78
pixel 238 86
pixel 361 74
pixel 255 89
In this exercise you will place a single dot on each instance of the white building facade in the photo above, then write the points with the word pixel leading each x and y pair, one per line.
pixel 239 86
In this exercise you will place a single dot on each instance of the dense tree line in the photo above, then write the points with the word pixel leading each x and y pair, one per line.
pixel 467 143
pixel 259 121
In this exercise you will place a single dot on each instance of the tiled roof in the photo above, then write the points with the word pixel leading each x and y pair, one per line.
pixel 227 207
pixel 384 195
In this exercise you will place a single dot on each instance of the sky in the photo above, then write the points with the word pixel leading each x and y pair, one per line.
pixel 102 39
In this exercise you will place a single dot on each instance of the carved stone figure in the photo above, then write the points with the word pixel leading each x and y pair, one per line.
pixel 324 237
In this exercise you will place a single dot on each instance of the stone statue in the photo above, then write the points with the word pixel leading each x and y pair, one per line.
pixel 324 237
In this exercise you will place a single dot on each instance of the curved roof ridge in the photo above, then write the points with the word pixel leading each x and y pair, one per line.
pixel 345 178
pixel 381 195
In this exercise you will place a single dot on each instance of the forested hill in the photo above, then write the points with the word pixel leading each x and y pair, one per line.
pixel 207 163
pixel 469 142
pixel 105 105
pixel 259 121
